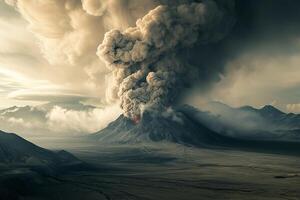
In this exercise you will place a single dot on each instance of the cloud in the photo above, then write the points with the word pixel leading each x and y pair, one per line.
pixel 20 87
pixel 70 46
pixel 17 45
pixel 48 93
pixel 146 60
pixel 19 122
pixel 69 31
pixel 258 79
pixel 16 88
pixel 95 7
pixel 67 34
pixel 53 119
pixel 58 24
pixel 60 119
pixel 293 108
pixel 11 2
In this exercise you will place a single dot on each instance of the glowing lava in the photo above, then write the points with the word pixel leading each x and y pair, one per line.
pixel 136 119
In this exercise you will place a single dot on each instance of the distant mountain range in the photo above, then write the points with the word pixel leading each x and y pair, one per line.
pixel 216 124
pixel 217 119
pixel 267 123
pixel 269 114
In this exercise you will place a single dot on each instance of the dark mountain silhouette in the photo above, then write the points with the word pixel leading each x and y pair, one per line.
pixel 157 128
pixel 16 150
pixel 25 166
pixel 270 111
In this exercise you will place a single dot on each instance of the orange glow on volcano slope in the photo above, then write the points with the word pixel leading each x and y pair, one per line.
pixel 136 119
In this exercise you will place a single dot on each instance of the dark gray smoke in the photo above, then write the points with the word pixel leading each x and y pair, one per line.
pixel 148 66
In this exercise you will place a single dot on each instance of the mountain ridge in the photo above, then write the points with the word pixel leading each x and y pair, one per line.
pixel 16 150
pixel 268 115
pixel 156 128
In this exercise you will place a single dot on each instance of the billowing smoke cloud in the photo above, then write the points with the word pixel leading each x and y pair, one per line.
pixel 148 65
pixel 69 32
pixel 149 72
pixel 95 7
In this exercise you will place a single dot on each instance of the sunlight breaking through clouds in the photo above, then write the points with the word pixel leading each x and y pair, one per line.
pixel 14 86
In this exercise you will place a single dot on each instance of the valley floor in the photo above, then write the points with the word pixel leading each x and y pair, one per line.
pixel 172 172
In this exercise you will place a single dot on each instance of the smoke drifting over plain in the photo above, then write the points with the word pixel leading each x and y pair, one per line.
pixel 149 71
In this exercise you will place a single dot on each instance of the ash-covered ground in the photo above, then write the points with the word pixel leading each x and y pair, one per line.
pixel 161 157
pixel 170 171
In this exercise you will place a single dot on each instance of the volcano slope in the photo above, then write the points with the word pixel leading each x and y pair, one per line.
pixel 182 127
pixel 156 128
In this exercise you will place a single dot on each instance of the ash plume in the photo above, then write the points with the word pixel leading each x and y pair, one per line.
pixel 149 71
pixel 150 63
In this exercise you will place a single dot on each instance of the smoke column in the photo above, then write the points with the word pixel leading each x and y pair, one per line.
pixel 148 70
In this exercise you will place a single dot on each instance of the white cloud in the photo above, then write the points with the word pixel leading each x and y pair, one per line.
pixel 88 121
pixel 19 122
pixel 57 119
pixel 293 108
pixel 16 87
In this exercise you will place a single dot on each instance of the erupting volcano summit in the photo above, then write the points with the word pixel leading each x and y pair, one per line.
pixel 149 71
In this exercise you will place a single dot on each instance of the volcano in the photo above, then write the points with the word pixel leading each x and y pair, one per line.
pixel 176 128
pixel 183 128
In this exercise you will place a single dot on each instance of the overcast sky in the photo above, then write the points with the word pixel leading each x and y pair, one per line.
pixel 26 77
pixel 52 56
